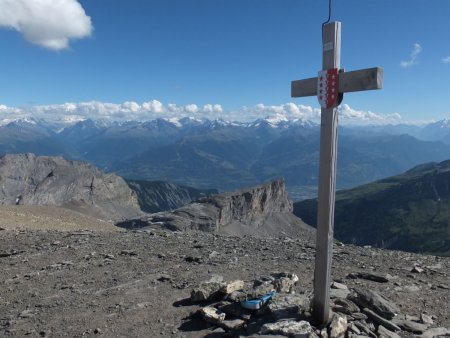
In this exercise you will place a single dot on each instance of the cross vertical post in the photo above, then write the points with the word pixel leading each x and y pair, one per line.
pixel 330 86
pixel 327 182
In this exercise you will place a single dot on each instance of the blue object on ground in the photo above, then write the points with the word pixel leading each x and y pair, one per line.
pixel 257 303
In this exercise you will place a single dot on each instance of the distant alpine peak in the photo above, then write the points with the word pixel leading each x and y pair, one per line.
pixel 446 122
pixel 19 121
pixel 276 119
pixel 273 121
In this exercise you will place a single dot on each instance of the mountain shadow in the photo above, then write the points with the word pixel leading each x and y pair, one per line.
pixel 409 212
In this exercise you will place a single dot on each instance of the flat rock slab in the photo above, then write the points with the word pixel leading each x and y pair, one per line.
pixel 436 332
pixel 206 291
pixel 380 320
pixel 410 326
pixel 339 293
pixel 385 333
pixel 370 299
pixel 370 276
pixel 289 328
pixel 288 306
pixel 232 324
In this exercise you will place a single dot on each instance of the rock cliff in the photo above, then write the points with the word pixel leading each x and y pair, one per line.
pixel 26 179
pixel 156 196
pixel 263 210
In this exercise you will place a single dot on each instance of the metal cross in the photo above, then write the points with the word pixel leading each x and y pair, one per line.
pixel 359 80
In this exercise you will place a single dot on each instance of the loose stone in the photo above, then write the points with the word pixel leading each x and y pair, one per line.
pixel 380 320
pixel 385 333
pixel 301 329
pixel 338 326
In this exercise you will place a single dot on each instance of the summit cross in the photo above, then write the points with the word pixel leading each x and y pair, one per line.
pixel 330 86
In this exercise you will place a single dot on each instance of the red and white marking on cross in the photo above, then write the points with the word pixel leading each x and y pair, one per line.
pixel 328 87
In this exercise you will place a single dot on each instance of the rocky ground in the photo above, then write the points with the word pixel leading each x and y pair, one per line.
pixel 78 283
pixel 49 218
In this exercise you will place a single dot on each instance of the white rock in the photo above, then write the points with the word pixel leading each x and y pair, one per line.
pixel 212 315
pixel 290 328
pixel 232 286
pixel 426 319
pixel 340 286
pixel 338 326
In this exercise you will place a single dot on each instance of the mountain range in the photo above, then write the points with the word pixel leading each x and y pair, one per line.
pixel 409 212
pixel 228 155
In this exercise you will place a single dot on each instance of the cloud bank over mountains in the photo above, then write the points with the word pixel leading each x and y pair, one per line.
pixel 48 23
pixel 69 113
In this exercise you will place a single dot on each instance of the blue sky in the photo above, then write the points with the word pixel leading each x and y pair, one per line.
pixel 232 53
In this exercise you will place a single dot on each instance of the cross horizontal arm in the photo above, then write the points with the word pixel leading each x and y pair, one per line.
pixel 357 80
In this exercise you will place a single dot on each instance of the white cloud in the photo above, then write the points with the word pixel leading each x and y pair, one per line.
pixel 60 114
pixel 353 116
pixel 191 108
pixel 212 109
pixel 153 106
pixel 446 59
pixel 47 23
pixel 290 110
pixel 413 57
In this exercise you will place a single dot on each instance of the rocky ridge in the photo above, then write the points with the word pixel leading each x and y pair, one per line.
pixel 26 179
pixel 407 212
pixel 263 210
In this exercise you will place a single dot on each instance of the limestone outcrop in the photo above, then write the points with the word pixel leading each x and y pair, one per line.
pixel 261 210
pixel 26 179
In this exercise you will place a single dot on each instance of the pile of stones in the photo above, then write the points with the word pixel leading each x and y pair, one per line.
pixel 355 313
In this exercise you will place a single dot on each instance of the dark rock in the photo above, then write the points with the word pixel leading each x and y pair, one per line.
pixel 288 306
pixel 347 304
pixel 353 328
pixel 436 332
pixel 359 316
pixel 374 301
pixel 410 326
pixel 128 253
pixel 236 310
pixel 385 333
pixel 417 269
pixel 364 327
pixel 370 276
pixel 237 296
pixel 191 259
pixel 11 253
pixel 380 320
pixel 157 196
pixel 206 292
